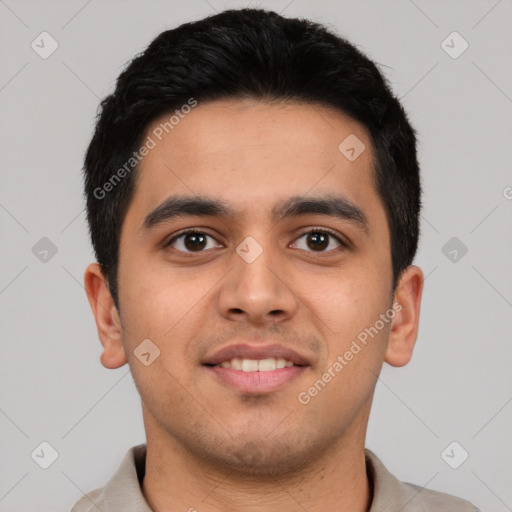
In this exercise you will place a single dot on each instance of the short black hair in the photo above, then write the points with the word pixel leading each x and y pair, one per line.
pixel 240 54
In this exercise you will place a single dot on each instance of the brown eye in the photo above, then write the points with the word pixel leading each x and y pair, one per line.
pixel 192 241
pixel 319 240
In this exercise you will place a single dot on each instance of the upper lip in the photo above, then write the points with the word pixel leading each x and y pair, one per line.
pixel 248 351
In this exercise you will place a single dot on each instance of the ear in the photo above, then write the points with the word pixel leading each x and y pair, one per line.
pixel 404 328
pixel 106 316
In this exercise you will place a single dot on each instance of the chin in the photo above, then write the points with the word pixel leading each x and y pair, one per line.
pixel 280 458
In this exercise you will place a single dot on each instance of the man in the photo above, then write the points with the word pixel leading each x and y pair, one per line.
pixel 253 197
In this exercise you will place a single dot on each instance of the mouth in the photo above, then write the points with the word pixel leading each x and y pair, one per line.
pixel 256 370
pixel 254 365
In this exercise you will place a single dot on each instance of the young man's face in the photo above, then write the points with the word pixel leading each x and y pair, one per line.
pixel 309 294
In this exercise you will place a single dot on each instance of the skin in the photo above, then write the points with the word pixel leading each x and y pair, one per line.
pixel 234 450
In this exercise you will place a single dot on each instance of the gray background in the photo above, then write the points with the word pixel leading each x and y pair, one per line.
pixel 458 386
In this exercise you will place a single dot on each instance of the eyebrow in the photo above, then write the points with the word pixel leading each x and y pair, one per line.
pixel 330 205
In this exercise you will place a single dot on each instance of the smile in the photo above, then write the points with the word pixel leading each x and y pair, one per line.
pixel 249 378
pixel 256 365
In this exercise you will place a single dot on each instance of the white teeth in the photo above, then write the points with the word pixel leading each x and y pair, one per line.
pixel 267 365
pixel 236 363
pixel 254 365
pixel 249 365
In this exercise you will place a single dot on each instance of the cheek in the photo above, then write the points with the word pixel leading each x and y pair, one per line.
pixel 163 311
pixel 166 306
pixel 345 299
pixel 348 307
pixel 156 295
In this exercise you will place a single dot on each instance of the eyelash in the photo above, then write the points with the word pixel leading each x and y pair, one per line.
pixel 324 231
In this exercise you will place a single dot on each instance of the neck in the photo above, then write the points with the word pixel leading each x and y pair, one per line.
pixel 178 480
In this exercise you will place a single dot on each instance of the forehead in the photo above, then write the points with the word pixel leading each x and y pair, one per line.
pixel 248 128
pixel 253 154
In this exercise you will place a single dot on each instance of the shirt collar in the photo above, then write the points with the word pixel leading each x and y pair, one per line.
pixel 123 492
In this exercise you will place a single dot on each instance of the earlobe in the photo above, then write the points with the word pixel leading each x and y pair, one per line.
pixel 106 316
pixel 404 328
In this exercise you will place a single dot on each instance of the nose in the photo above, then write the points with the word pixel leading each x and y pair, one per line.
pixel 257 292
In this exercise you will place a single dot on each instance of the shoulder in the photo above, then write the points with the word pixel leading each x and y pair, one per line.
pixel 123 491
pixel 390 494
pixel 422 499
pixel 89 502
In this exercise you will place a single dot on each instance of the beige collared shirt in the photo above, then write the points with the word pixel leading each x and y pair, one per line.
pixel 123 492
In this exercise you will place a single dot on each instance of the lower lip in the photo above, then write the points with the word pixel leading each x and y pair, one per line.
pixel 257 382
